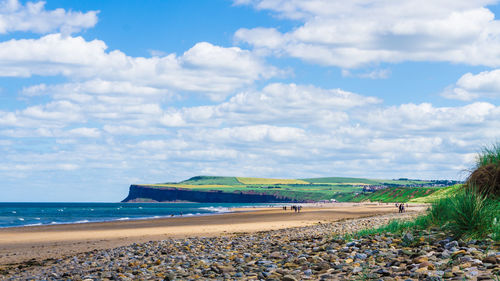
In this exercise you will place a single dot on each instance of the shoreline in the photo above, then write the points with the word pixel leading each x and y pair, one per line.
pixel 20 244
pixel 263 206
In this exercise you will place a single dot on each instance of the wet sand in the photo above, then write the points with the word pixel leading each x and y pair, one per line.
pixel 56 241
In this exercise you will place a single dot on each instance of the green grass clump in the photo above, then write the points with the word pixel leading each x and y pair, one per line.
pixel 485 179
pixel 467 215
pixel 489 155
pixel 473 216
pixel 397 226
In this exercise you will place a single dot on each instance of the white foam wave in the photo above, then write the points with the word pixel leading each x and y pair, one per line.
pixel 82 221
pixel 34 224
pixel 216 209
pixel 123 219
pixel 21 219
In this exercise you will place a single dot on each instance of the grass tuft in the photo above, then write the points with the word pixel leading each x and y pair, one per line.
pixel 489 155
pixel 486 177
pixel 472 214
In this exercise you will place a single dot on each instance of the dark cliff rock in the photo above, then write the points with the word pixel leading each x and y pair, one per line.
pixel 163 194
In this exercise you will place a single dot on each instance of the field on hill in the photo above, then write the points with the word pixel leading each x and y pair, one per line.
pixel 269 181
pixel 313 189
pixel 390 195
pixel 439 194
pixel 203 180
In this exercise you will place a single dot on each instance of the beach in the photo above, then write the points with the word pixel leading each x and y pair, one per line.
pixel 20 244
pixel 258 244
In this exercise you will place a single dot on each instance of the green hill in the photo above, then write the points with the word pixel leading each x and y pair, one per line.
pixel 389 195
pixel 340 180
pixel 298 190
pixel 441 193
pixel 204 180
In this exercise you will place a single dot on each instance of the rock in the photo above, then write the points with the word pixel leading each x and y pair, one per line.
pixel 383 272
pixel 288 278
pixel 420 259
pixel 360 256
pixel 276 255
pixel 452 244
pixel 490 259
pixel 459 252
pixel 421 270
pixel 427 265
pixel 408 237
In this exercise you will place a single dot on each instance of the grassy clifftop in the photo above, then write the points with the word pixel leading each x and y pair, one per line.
pixel 311 189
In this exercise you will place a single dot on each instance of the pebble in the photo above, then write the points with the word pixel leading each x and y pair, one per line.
pixel 306 253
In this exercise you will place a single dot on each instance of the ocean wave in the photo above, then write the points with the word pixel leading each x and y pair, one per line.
pixel 34 224
pixel 123 219
pixel 82 221
pixel 21 219
pixel 216 209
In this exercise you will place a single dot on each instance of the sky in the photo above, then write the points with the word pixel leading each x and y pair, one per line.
pixel 97 95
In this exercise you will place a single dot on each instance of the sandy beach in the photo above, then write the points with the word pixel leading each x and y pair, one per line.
pixel 52 242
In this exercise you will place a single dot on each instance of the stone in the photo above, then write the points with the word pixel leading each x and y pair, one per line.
pixel 459 252
pixel 421 270
pixel 288 278
pixel 427 265
pixel 452 244
pixel 408 237
pixel 357 269
pixel 420 259
pixel 490 259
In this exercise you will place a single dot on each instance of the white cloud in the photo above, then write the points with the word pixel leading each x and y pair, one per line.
pixel 32 17
pixel 276 103
pixel 282 130
pixel 374 74
pixel 472 86
pixel 350 34
pixel 204 68
pixel 85 132
pixel 254 133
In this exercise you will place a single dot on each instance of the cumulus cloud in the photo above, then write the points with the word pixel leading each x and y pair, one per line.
pixel 275 104
pixel 204 68
pixel 350 34
pixel 374 74
pixel 472 86
pixel 281 130
pixel 32 17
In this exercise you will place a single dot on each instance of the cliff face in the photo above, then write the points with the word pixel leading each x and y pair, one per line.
pixel 209 196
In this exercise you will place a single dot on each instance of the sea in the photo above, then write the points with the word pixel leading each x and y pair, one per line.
pixel 32 214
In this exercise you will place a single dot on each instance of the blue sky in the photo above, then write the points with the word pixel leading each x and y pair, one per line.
pixel 97 95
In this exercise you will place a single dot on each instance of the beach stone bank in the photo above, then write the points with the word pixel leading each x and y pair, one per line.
pixel 306 253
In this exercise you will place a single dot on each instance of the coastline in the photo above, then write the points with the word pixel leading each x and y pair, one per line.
pixel 20 244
